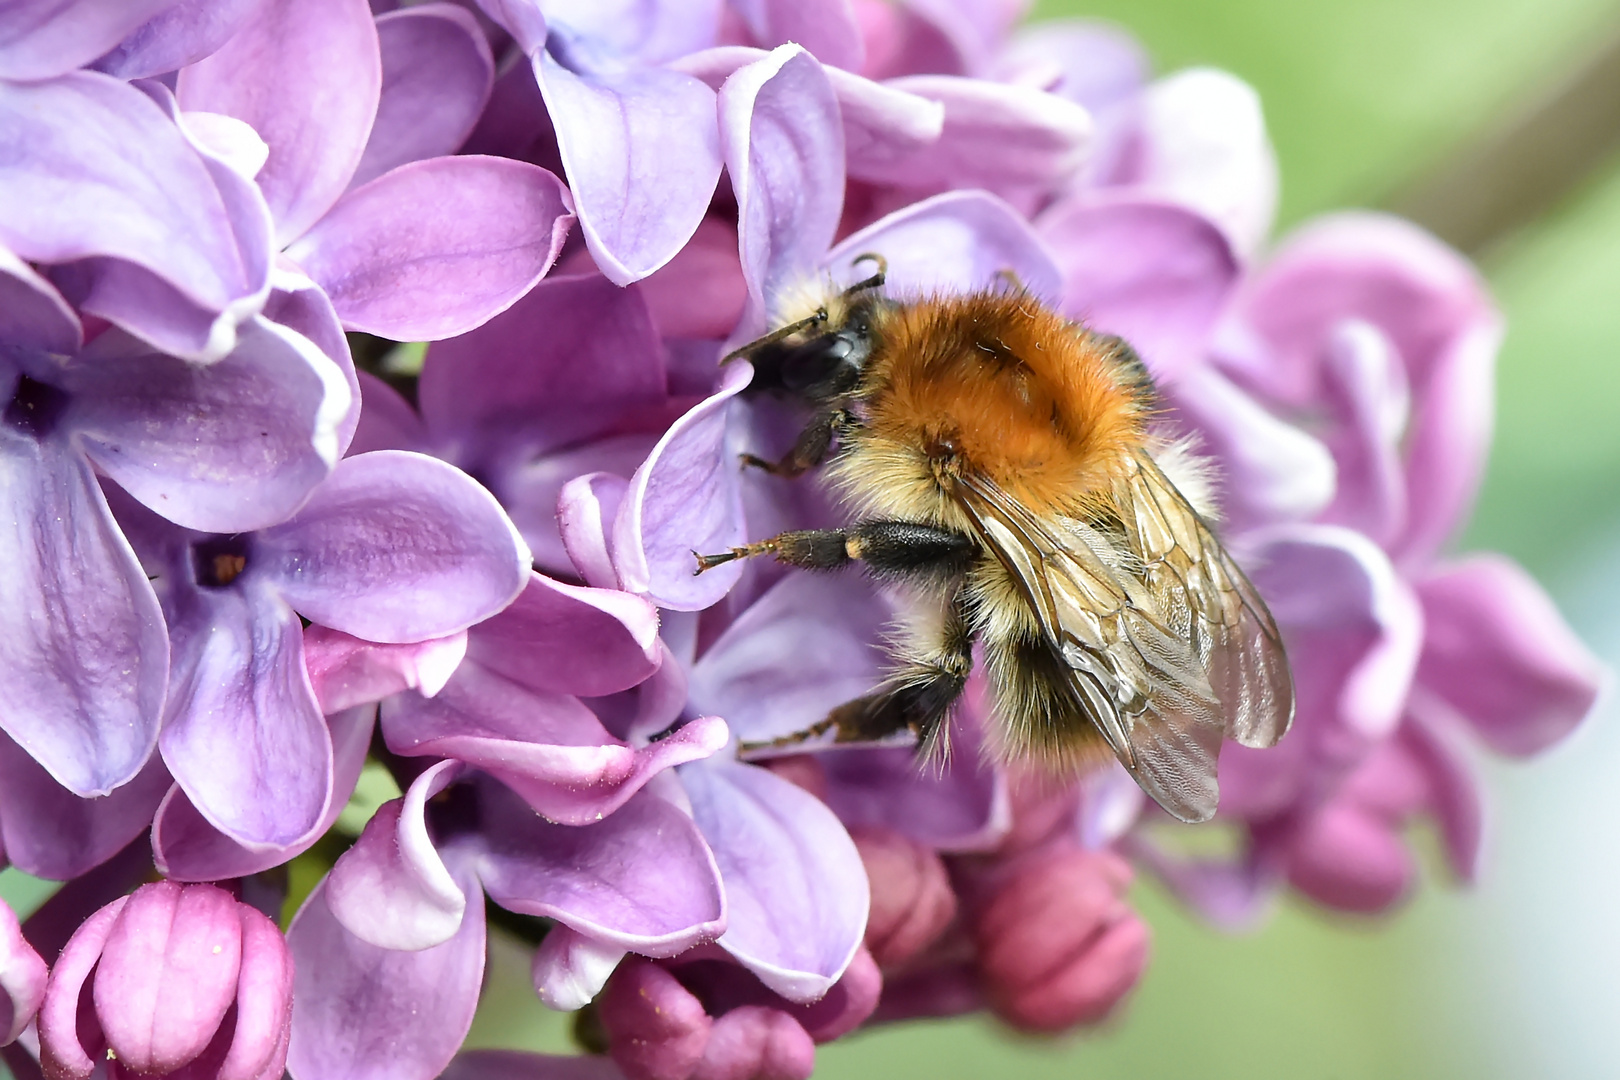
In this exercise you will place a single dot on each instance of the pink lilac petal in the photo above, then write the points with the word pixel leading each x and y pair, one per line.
pixel 1201 141
pixel 585 512
pixel 756 1041
pixel 951 243
pixel 183 33
pixel 22 978
pixel 168 973
pixel 1151 272
pixel 1232 895
pixel 521 1065
pixel 436 248
pixel 1090 62
pixel 1366 392
pixel 380 1014
pixel 699 293
pixel 42 40
pixel 1453 791
pixel 392 889
pixel 642 153
pixel 973 26
pixel 549 748
pixel 306 74
pixel 996 135
pixel 685 497
pixel 572 640
pixel 641 878
pixel 656 1028
pixel 347 671
pixel 831 627
pixel 62 1054
pixel 244 736
pixel 570 968
pixel 825 28
pixel 1497 652
pixel 1348 858
pixel 33 315
pixel 263 1002
pixel 185 847
pixel 84 654
pixel 226 448
pixel 783 143
pixel 387 420
pixel 396 547
pixel 52 833
pixel 643 31
pixel 437 72
pixel 848 1004
pixel 900 42
pixel 796 893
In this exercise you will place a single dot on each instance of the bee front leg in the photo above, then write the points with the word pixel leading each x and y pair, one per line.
pixel 812 447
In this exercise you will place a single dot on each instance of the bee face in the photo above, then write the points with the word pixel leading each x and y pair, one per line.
pixel 999 452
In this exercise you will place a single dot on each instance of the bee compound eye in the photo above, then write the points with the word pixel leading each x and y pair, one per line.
pixel 818 363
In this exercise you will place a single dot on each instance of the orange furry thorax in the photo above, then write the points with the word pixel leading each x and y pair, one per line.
pixel 995 383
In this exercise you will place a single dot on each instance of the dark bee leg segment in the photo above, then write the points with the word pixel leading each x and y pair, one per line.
pixel 811 449
pixel 889 549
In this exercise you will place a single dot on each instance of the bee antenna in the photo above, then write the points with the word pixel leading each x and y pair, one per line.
pixel 776 335
pixel 876 280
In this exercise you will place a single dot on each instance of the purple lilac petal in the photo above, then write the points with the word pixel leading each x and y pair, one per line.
pixel 244 736
pixel 1111 803
pixel 974 27
pixel 167 974
pixel 1366 390
pixel 619 31
pixel 299 304
pixel 784 149
pixel 52 833
pixel 570 969
pixel 1201 141
pixel 233 446
pixel 1153 273
pixel 796 893
pixel 186 847
pixel 548 747
pixel 1093 63
pixel 226 139
pixel 641 878
pixel 366 1013
pixel 39 40
pixel 392 889
pixel 396 547
pixel 642 152
pixel 1499 653
pixel 22 978
pixel 521 1065
pixel 61 1052
pixel 387 421
pixel 183 33
pixel 522 19
pixel 571 640
pixel 585 512
pixel 900 42
pixel 825 28
pixel 307 75
pixel 808 645
pixel 83 652
pixel 532 493
pixel 1453 792
pixel 33 315
pixel 347 672
pixel 436 248
pixel 686 497
pixel 1233 896
pixel 437 72
pixel 996 135
pixel 952 243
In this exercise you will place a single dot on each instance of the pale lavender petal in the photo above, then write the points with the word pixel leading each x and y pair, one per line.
pixel 1152 272
pixel 436 248
pixel 186 847
pixel 229 447
pixel 826 28
pixel 570 969
pixel 437 72
pixel 520 18
pixel 299 304
pixel 347 671
pixel 1201 141
pixel 952 243
pixel 641 878
pixel 882 124
pixel 642 152
pixel 22 978
pixel 1498 652
pixel 831 627
pixel 183 33
pixel 570 640
pixel 244 736
pixel 547 747
pixel 618 31
pixel 1092 62
pixel 61 1051
pixel 1231 894
pixel 1366 391
pixel 686 497
pixel 365 1013
pixel 996 136
pixel 306 74
pixel 796 893
pixel 387 420
pixel 585 512
pixel 533 493
pixel 784 149
pixel 396 547
pixel 39 40
pixel 33 315
pixel 83 654
pixel 52 833
pixel 392 889
pixel 228 140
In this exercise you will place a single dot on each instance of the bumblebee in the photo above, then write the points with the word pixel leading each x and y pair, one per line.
pixel 998 458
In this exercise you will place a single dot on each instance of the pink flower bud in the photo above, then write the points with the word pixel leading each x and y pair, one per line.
pixel 657 1030
pixel 756 1042
pixel 186 978
pixel 912 900
pixel 1058 945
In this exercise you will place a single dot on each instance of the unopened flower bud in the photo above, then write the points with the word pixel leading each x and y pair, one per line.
pixel 656 1028
pixel 912 899
pixel 756 1042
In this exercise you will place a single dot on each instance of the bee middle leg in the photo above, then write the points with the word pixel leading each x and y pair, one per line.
pixel 894 549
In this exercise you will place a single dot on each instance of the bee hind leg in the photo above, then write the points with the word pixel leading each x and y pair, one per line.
pixel 895 549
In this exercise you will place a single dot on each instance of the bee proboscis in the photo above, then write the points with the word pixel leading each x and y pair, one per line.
pixel 1000 459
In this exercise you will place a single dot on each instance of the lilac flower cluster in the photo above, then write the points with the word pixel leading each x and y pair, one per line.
pixel 239 567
